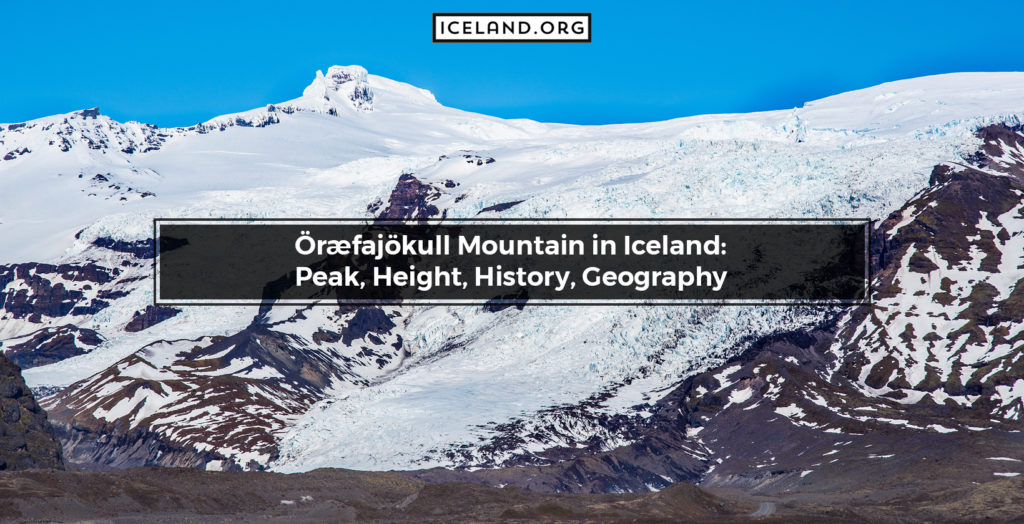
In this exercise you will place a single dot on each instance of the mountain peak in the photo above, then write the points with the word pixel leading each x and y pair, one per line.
pixel 344 86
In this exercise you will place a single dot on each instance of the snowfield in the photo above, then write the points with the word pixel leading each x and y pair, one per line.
pixel 344 144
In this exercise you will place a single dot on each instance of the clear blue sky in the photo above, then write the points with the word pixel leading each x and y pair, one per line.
pixel 177 63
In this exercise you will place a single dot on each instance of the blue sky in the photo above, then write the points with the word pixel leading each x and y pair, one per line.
pixel 177 63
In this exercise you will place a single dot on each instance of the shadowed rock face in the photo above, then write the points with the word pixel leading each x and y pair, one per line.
pixel 412 199
pixel 150 317
pixel 141 249
pixel 26 438
pixel 51 344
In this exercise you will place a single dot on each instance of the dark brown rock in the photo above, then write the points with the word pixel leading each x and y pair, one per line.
pixel 150 317
pixel 26 439
pixel 412 199
pixel 53 344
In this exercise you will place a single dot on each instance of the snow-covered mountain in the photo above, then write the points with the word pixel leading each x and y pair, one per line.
pixel 296 388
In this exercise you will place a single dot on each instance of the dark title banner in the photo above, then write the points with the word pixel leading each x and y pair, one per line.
pixel 511 262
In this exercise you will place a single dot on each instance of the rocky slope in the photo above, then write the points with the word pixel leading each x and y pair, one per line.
pixel 222 402
pixel 27 440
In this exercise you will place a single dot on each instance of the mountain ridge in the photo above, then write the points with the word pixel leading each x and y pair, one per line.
pixel 294 389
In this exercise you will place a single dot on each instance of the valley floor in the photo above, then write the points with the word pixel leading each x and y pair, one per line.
pixel 189 495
